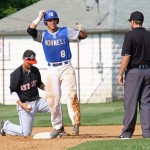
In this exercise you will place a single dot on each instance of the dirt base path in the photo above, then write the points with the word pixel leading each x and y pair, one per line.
pixel 87 133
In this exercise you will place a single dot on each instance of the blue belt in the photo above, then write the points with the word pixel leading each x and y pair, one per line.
pixel 58 64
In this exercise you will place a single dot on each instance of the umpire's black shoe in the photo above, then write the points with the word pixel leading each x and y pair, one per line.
pixel 1 128
pixel 124 137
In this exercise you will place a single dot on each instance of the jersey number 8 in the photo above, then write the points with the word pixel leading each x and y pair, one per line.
pixel 62 53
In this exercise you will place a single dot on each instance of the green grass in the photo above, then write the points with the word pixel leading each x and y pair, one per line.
pixel 132 144
pixel 91 114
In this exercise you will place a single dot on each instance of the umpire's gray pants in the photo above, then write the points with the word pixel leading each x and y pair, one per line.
pixel 137 91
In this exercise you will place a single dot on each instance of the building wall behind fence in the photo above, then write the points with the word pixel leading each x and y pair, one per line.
pixel 117 41
pixel 96 72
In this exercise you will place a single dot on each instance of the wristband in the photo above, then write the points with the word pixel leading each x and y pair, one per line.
pixel 36 21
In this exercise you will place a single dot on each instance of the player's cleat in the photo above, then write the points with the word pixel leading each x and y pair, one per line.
pixel 58 133
pixel 1 128
pixel 75 129
pixel 121 137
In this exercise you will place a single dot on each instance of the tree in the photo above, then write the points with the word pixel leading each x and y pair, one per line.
pixel 11 6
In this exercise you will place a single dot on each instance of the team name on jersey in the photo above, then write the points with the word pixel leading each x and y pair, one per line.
pixel 55 42
pixel 28 86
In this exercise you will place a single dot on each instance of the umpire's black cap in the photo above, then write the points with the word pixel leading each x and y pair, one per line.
pixel 29 57
pixel 136 15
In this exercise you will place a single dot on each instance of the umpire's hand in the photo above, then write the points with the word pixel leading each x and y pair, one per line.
pixel 120 80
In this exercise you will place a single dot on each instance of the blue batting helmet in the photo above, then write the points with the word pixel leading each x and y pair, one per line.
pixel 50 14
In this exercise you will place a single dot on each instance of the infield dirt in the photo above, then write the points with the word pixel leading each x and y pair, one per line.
pixel 87 133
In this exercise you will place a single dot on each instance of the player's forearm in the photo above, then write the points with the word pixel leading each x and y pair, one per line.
pixel 42 87
pixel 35 22
pixel 15 96
pixel 124 64
pixel 33 26
pixel 82 34
pixel 26 106
pixel 19 103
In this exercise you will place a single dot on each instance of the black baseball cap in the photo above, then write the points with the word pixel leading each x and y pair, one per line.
pixel 136 15
pixel 29 57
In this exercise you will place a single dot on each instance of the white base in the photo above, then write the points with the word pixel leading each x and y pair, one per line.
pixel 42 135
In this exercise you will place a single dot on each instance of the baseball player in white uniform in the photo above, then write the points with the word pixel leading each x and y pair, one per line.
pixel 55 41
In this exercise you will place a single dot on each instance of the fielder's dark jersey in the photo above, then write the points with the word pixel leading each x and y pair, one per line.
pixel 26 84
pixel 137 45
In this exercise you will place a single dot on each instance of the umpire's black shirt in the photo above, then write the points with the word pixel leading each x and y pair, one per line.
pixel 25 84
pixel 137 45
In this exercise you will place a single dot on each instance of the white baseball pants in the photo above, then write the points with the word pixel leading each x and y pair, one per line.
pixel 56 76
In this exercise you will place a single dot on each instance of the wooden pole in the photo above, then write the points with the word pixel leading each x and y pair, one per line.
pixel 3 69
pixel 78 51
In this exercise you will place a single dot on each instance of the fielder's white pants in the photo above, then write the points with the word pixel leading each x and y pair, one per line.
pixel 56 76
pixel 26 118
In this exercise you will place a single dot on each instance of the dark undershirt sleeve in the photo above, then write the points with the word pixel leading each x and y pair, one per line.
pixel 32 32
pixel 14 82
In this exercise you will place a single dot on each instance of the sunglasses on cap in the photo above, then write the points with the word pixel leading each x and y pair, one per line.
pixel 29 58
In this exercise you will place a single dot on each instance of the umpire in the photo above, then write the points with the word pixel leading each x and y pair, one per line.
pixel 136 65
